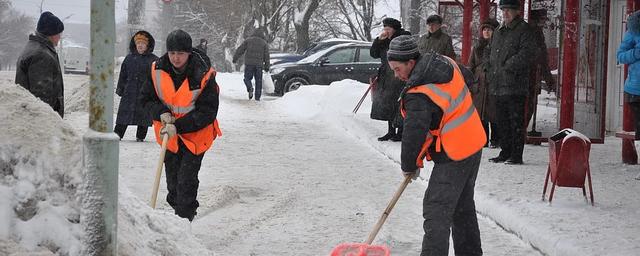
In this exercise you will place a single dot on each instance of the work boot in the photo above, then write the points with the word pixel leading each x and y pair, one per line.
pixel 498 159
pixel 396 137
pixel 387 136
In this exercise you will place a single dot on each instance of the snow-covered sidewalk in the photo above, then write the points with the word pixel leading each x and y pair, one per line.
pixel 511 195
pixel 301 174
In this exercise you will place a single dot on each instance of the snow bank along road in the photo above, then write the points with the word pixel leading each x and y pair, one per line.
pixel 276 184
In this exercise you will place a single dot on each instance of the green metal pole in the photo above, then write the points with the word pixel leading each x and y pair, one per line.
pixel 100 153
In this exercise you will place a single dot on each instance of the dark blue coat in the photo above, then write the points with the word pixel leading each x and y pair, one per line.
pixel 134 72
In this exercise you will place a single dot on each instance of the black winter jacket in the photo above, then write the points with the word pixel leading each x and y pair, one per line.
pixel 206 107
pixel 513 48
pixel 422 114
pixel 134 71
pixel 38 71
pixel 255 50
pixel 385 95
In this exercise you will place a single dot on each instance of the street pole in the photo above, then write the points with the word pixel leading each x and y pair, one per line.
pixel 100 153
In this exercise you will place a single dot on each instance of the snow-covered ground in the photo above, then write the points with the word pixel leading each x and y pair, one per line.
pixel 301 174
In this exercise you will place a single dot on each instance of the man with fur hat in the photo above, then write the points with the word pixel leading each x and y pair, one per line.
pixel 385 93
pixel 441 124
pixel 133 72
pixel 182 99
pixel 38 67
pixel 435 39
pixel 513 48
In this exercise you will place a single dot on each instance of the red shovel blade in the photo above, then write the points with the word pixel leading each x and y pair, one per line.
pixel 360 249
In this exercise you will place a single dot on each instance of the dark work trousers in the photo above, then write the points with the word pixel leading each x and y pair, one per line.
pixel 250 72
pixel 495 132
pixel 449 208
pixel 510 115
pixel 141 133
pixel 182 180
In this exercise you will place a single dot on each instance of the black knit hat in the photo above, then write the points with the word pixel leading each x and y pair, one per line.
pixel 434 19
pixel 509 4
pixel 391 22
pixel 489 23
pixel 179 41
pixel 49 24
pixel 403 48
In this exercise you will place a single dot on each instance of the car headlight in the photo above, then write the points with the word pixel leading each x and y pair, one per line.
pixel 276 71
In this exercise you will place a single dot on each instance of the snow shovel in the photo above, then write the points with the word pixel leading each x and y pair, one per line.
pixel 366 249
pixel 371 84
pixel 156 183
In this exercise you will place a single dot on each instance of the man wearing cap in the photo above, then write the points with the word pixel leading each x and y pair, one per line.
pixel 513 48
pixel 182 99
pixel 435 39
pixel 38 67
pixel 384 94
pixel 441 124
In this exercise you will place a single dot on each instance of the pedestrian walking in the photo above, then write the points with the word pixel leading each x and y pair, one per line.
pixel 385 106
pixel 256 59
pixel 182 99
pixel 38 67
pixel 441 124
pixel 134 73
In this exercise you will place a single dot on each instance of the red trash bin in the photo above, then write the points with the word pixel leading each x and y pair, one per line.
pixel 568 162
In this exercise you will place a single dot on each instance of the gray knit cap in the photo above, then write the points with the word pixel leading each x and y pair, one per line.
pixel 403 48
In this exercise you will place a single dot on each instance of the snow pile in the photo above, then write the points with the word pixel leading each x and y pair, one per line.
pixel 40 173
pixel 143 231
pixel 78 101
pixel 338 98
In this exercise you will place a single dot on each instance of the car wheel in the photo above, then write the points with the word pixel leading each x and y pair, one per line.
pixel 294 84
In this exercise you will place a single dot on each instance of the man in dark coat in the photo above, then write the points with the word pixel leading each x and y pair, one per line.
pixel 133 72
pixel 448 205
pixel 385 106
pixel 435 39
pixel 512 50
pixel 203 46
pixel 256 58
pixel 182 63
pixel 38 67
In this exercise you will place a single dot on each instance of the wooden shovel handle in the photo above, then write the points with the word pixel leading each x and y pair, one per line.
pixel 386 212
pixel 156 183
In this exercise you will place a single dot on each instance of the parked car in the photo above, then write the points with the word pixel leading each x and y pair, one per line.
pixel 338 62
pixel 279 58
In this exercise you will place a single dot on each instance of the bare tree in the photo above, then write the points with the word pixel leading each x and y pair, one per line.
pixel 14 28
pixel 302 15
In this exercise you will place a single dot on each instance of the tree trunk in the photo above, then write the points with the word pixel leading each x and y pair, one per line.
pixel 414 17
pixel 301 24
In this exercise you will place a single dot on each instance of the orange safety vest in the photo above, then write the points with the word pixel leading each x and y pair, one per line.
pixel 180 103
pixel 460 132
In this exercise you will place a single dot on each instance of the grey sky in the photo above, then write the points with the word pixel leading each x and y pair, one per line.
pixel 77 9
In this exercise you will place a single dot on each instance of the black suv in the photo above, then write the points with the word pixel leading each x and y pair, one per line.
pixel 338 62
